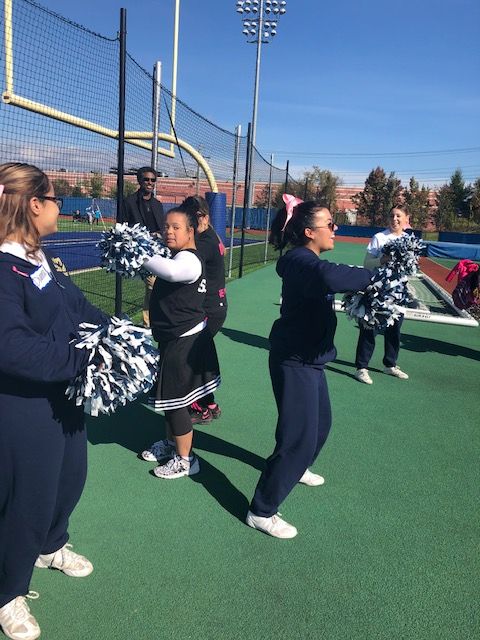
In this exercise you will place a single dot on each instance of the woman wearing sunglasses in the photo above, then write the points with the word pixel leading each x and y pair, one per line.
pixel 43 443
pixel 301 344
pixel 143 208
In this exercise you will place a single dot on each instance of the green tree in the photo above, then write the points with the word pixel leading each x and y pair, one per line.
pixel 461 194
pixel 444 215
pixel 95 185
pixel 61 187
pixel 77 191
pixel 379 195
pixel 454 202
pixel 321 184
pixel 475 202
pixel 128 189
pixel 417 201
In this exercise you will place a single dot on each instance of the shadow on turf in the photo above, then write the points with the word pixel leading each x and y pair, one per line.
pixel 421 345
pixel 222 490
pixel 135 428
pixel 246 338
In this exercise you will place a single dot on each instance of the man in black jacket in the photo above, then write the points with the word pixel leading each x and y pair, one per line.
pixel 142 207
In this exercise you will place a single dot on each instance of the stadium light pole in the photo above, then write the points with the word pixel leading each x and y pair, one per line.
pixel 260 22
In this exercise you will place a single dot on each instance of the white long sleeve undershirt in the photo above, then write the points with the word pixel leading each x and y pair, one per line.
pixel 183 267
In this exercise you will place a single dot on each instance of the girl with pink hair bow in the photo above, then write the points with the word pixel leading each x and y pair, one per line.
pixel 301 345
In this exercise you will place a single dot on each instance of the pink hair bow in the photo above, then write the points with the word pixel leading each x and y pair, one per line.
pixel 2 187
pixel 290 203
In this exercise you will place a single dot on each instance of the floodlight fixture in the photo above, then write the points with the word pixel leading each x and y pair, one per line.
pixel 259 30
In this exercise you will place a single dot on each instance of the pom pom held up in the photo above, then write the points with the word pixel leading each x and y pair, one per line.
pixel 125 249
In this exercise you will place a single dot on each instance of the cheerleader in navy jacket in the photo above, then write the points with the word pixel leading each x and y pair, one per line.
pixel 42 434
pixel 301 345
pixel 188 368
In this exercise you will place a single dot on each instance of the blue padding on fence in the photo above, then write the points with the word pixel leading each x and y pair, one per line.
pixel 463 238
pixel 77 250
pixel 454 250
pixel 217 203
pixel 357 232
pixel 107 206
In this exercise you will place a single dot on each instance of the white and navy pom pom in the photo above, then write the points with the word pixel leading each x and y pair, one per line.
pixel 403 254
pixel 380 304
pixel 124 249
pixel 122 365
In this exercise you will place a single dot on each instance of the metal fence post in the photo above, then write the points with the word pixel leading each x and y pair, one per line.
pixel 157 78
pixel 246 197
pixel 238 133
pixel 121 143
pixel 285 191
pixel 269 205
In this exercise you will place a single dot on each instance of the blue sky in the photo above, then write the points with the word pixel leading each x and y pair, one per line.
pixel 346 85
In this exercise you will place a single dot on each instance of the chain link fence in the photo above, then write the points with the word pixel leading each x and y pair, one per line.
pixel 59 111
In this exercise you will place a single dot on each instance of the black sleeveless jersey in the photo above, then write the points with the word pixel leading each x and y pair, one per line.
pixel 177 307
pixel 211 250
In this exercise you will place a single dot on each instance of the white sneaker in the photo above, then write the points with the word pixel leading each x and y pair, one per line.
pixel 71 563
pixel 396 372
pixel 274 526
pixel 16 620
pixel 159 451
pixel 312 479
pixel 177 467
pixel 362 375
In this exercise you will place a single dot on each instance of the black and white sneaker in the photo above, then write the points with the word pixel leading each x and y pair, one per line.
pixel 177 467
pixel 159 451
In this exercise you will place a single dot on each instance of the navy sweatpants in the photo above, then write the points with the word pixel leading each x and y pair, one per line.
pixel 304 421
pixel 366 345
pixel 43 464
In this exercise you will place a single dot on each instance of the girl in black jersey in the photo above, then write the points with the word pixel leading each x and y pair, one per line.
pixel 212 251
pixel 188 368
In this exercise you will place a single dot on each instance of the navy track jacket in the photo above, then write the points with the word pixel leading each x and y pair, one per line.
pixel 38 327
pixel 306 327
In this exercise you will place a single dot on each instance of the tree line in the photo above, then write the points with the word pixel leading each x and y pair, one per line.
pixel 92 187
pixel 455 205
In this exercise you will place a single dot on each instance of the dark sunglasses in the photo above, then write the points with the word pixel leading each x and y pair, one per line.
pixel 58 201
pixel 331 225
pixel 149 179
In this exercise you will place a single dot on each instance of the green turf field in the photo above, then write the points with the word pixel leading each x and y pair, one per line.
pixel 387 548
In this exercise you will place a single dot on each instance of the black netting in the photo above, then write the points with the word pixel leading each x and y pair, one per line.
pixel 59 111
